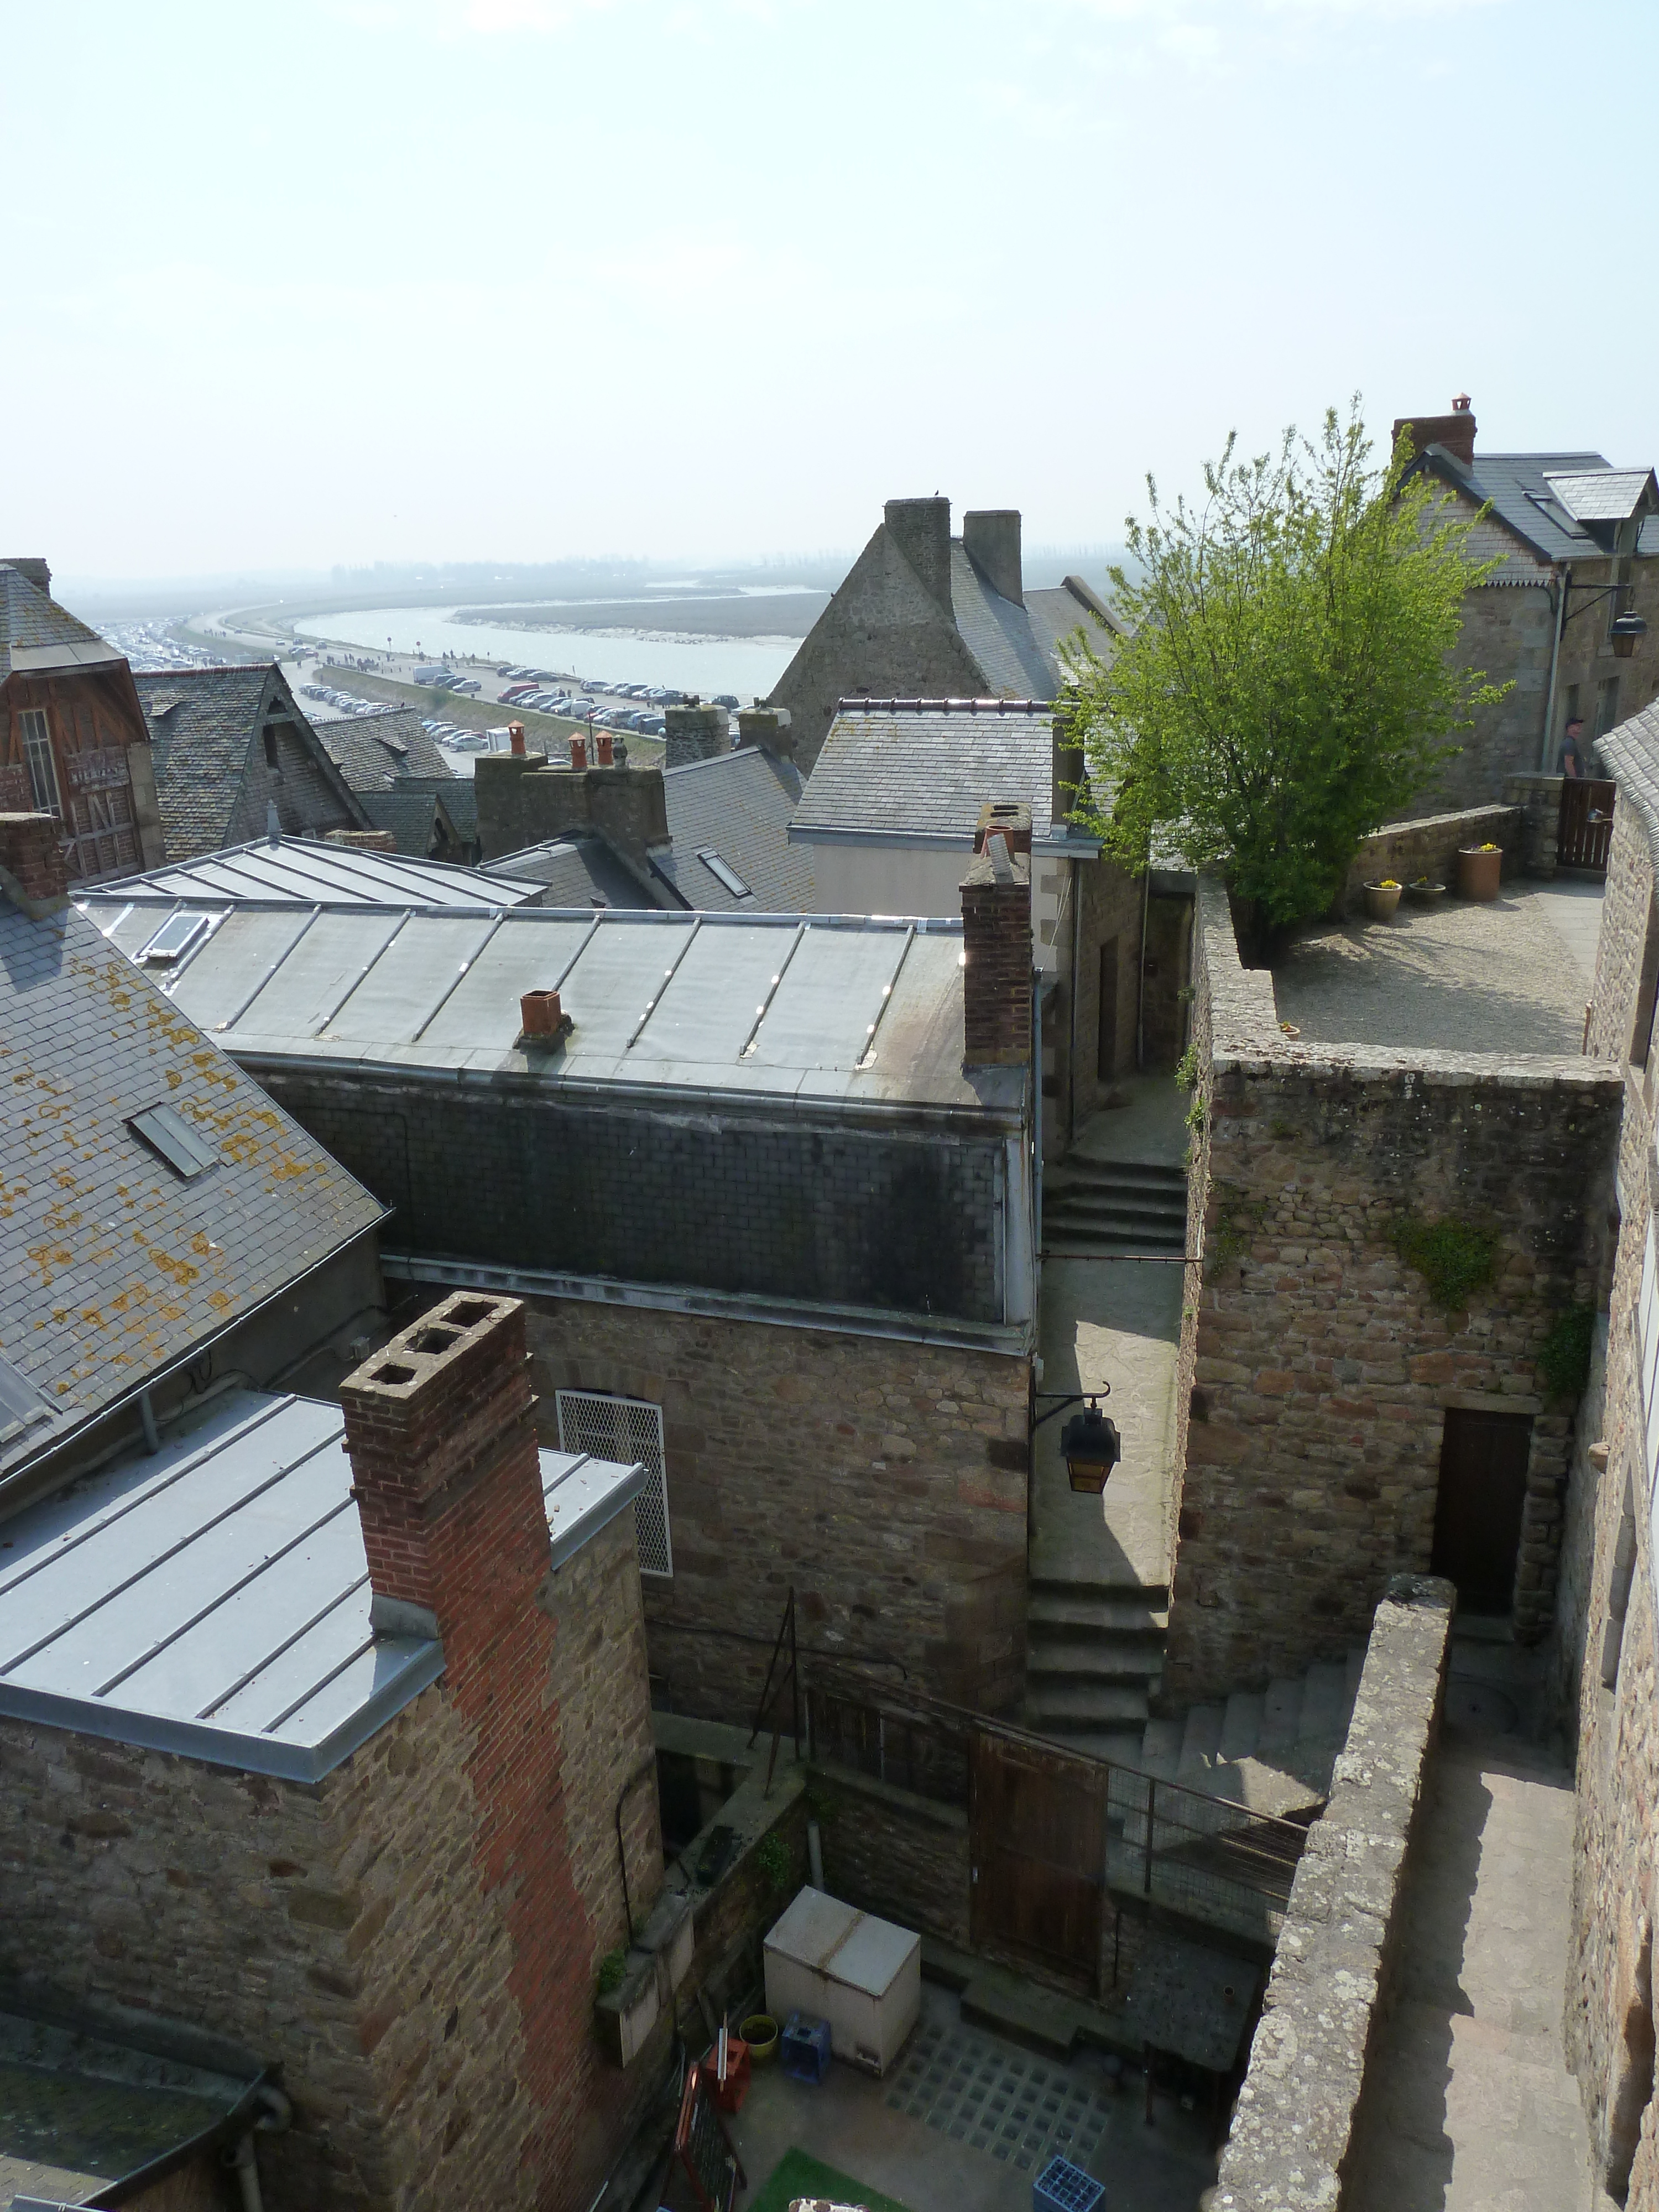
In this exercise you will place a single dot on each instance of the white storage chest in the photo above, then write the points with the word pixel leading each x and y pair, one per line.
pixel 861 1974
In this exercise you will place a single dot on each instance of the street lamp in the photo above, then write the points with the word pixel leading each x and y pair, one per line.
pixel 1088 1443
pixel 1624 630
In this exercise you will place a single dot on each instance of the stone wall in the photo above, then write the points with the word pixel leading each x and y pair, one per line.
pixel 1509 630
pixel 893 1852
pixel 772 1204
pixel 884 1481
pixel 1605 1648
pixel 1317 1368
pixel 1298 2131
pixel 1539 798
pixel 1429 846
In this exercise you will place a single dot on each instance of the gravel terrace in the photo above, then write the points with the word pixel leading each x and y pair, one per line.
pixel 1509 976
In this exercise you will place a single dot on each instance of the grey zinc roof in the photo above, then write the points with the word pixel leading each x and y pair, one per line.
pixel 213 1598
pixel 204 723
pixel 374 751
pixel 1518 486
pixel 111 1265
pixel 894 770
pixel 35 632
pixel 310 872
pixel 867 1013
pixel 998 632
pixel 737 806
pixel 578 871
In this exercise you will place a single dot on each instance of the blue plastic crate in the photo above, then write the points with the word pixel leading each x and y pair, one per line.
pixel 804 2048
pixel 1063 2187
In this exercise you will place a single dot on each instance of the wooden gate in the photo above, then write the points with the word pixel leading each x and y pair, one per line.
pixel 1037 1848
pixel 1585 835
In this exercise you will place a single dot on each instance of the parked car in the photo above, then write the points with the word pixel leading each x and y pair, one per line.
pixel 464 684
pixel 725 699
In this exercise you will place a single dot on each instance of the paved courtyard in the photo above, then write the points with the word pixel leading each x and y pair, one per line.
pixel 1511 976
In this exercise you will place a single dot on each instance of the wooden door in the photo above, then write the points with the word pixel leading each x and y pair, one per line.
pixel 1584 837
pixel 1106 1050
pixel 1037 1852
pixel 1482 1496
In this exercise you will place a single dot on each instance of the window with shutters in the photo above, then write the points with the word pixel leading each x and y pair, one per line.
pixel 628 1430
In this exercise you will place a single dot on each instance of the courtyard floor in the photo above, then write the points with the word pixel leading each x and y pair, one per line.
pixel 1476 2111
pixel 1511 976
pixel 965 2121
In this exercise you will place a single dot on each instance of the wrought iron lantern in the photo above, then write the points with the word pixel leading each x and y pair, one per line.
pixel 1624 630
pixel 1091 1448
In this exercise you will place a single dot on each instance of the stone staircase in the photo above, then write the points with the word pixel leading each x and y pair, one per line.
pixel 1093 1658
pixel 1113 1206
pixel 1271 1749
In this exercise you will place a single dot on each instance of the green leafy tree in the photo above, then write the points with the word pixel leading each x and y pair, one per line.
pixel 1286 683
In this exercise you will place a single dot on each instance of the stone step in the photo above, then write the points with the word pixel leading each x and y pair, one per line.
pixel 1081 1589
pixel 1143 1174
pixel 1077 1610
pixel 1241 1726
pixel 1074 1705
pixel 1074 1661
pixel 1157 1233
pixel 1326 1704
pixel 1086 1244
pixel 1121 1746
pixel 1160 1749
pixel 1281 1719
pixel 1131 1204
pixel 1200 1739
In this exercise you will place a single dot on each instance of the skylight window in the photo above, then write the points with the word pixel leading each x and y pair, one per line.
pixel 184 1148
pixel 724 873
pixel 22 1405
pixel 173 939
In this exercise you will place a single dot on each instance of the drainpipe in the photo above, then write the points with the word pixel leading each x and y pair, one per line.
pixel 1140 978
pixel 1562 589
pixel 1076 984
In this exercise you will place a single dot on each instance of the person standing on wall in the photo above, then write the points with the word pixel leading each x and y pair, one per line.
pixel 1571 759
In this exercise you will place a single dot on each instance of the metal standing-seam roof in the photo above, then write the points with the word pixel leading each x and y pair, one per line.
pixel 899 769
pixel 113 1264
pixel 310 872
pixel 836 1009
pixel 736 809
pixel 213 1598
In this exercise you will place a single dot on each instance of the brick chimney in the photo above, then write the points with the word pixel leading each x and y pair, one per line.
pixel 696 733
pixel 363 840
pixel 440 1429
pixel 991 540
pixel 996 936
pixel 32 874
pixel 921 530
pixel 1456 431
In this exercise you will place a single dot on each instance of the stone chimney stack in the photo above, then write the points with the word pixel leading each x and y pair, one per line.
pixel 1456 431
pixel 921 530
pixel 694 733
pixel 446 1478
pixel 31 568
pixel 996 937
pixel 32 874
pixel 767 726
pixel 991 540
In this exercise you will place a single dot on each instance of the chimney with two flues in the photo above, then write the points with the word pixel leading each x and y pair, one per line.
pixel 1456 431
pixel 996 940
pixel 990 538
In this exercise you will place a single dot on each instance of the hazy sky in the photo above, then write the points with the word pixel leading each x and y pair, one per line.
pixel 348 280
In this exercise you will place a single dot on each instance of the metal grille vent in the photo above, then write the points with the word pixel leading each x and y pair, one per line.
pixel 628 1430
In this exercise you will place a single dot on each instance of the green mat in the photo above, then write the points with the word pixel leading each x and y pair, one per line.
pixel 797 2175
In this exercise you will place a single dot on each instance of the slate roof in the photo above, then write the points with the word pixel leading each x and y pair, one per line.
pixel 1518 486
pixel 111 1266
pixel 204 723
pixel 1631 752
pixel 578 873
pixel 1060 610
pixel 412 818
pixel 998 633
pixel 372 751
pixel 894 771
pixel 35 632
pixel 738 805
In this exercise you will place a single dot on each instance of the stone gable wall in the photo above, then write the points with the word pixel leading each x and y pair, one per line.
pixel 886 1481
pixel 1316 1366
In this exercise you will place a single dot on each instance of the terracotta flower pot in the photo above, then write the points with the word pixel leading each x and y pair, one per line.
pixel 1381 900
pixel 1478 872
pixel 1425 893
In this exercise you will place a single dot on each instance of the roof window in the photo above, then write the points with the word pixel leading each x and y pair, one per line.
pixel 173 939
pixel 182 1146
pixel 724 874
pixel 22 1405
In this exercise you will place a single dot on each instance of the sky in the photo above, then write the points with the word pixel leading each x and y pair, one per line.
pixel 339 281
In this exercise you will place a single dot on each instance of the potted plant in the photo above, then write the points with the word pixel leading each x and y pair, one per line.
pixel 1382 899
pixel 1422 892
pixel 1479 868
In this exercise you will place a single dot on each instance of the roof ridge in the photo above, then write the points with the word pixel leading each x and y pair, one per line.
pixel 981 706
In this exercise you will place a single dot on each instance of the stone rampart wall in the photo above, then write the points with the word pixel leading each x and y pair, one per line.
pixel 1298 2131
pixel 1405 850
pixel 1318 1367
